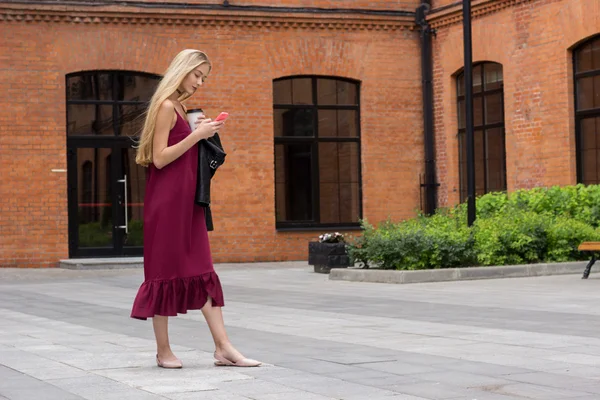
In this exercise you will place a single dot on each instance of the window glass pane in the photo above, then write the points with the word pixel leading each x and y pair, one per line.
pixel 586 93
pixel 493 76
pixel 336 92
pixel 589 166
pixel 588 57
pixel 461 114
pixel 477 79
pixel 135 87
pixel 493 108
pixel 596 54
pixel 293 182
pixel 302 91
pixel 89 119
pixel 293 122
pixel 131 119
pixel 90 87
pixel 94 199
pixel 597 91
pixel 478 111
pixel 339 182
pixel 589 133
pixel 495 158
pixel 462 165
pixel 337 123
pixel 460 85
pixel 480 172
pixel 282 92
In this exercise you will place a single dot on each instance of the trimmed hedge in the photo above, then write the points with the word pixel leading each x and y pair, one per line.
pixel 529 226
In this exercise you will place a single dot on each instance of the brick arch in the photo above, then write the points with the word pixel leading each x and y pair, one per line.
pixel 587 15
pixel 317 56
pixel 584 42
pixel 114 50
pixel 484 45
pixel 458 72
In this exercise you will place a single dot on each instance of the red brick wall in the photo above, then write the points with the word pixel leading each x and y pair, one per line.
pixel 532 40
pixel 36 56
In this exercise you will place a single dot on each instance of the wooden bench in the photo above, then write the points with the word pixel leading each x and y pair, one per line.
pixel 591 247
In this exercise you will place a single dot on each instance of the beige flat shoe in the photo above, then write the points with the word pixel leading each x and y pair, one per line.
pixel 244 362
pixel 175 364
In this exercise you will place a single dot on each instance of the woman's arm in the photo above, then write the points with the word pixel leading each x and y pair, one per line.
pixel 162 154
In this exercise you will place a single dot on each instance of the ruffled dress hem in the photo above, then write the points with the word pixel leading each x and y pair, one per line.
pixel 170 297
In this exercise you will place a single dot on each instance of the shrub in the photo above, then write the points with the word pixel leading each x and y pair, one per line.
pixel 528 226
pixel 514 238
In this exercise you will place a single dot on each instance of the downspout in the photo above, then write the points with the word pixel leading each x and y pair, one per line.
pixel 430 183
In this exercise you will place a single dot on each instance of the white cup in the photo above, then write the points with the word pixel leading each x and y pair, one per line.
pixel 192 116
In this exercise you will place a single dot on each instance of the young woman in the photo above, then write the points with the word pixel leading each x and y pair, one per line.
pixel 178 269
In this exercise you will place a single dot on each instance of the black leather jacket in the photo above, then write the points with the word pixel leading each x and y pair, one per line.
pixel 210 157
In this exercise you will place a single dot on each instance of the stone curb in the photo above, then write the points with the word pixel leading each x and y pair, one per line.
pixel 456 274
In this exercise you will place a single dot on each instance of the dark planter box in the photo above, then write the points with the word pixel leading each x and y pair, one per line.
pixel 325 256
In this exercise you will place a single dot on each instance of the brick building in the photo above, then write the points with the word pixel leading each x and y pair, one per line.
pixel 333 115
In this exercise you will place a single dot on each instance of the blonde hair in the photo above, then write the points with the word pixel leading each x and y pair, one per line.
pixel 183 63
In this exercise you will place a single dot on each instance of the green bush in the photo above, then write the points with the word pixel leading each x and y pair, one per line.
pixel 513 238
pixel 565 235
pixel 528 226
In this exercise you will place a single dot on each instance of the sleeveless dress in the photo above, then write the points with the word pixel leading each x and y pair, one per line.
pixel 178 269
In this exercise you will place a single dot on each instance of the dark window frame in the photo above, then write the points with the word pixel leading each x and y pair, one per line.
pixel 115 74
pixel 483 127
pixel 580 115
pixel 314 141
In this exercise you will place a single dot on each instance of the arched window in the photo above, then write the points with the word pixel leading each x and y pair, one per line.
pixel 317 152
pixel 488 115
pixel 586 60
pixel 109 103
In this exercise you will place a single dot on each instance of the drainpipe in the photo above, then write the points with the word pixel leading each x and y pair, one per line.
pixel 430 184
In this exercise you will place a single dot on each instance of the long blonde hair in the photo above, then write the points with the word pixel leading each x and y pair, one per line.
pixel 183 63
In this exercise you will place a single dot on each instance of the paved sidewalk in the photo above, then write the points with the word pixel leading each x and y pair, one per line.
pixel 67 335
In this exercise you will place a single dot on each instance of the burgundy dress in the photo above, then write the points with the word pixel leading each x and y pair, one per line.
pixel 178 268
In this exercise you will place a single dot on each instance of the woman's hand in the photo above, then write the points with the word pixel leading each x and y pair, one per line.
pixel 206 128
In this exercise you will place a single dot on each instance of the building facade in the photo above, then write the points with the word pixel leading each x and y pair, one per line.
pixel 328 114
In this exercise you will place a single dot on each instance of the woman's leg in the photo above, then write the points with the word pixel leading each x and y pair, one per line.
pixel 214 318
pixel 161 332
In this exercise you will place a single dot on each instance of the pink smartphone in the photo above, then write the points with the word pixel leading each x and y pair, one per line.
pixel 222 117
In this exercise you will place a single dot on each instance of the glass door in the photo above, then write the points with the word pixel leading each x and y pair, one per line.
pixel 106 199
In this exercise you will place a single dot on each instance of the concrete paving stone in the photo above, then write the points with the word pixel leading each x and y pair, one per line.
pixel 253 387
pixel 490 369
pixel 94 387
pixel 162 381
pixel 377 378
pixel 464 379
pixel 430 390
pixel 319 367
pixel 591 385
pixel 333 387
pixel 537 392
pixel 17 386
pixel 400 368
pixel 205 395
pixel 293 396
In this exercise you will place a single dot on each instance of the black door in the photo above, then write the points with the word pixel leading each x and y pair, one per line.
pixel 106 198
pixel 105 114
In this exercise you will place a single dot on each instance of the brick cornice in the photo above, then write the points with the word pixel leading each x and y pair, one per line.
pixel 115 15
pixel 453 15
